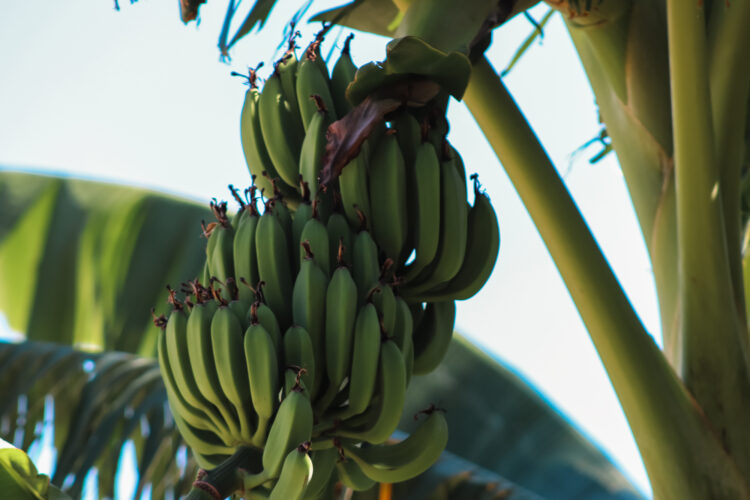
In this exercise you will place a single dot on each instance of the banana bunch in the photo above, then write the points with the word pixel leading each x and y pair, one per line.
pixel 318 303
pixel 295 341
pixel 407 183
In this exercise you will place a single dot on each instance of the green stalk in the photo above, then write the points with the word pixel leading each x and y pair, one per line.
pixel 729 73
pixel 682 456
pixel 713 366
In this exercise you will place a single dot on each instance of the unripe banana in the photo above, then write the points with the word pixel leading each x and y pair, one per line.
pixel 352 476
pixel 341 313
pixel 198 341
pixel 263 377
pixel 202 441
pixel 385 302
pixel 392 463
pixel 316 235
pixel 324 462
pixel 300 218
pixel 226 343
pixel 182 374
pixel 281 211
pixel 404 326
pixel 433 335
pixel 244 255
pixel 273 266
pixel 197 418
pixel 426 209
pixel 384 416
pixel 313 149
pixel 355 194
pixel 295 476
pixel 299 352
pixel 220 246
pixel 279 129
pixel 291 427
pixel 262 314
pixel 453 227
pixel 287 68
pixel 364 368
pixel 312 81
pixel 339 236
pixel 366 267
pixel 387 183
pixel 482 245
pixel 256 154
pixel 409 135
pixel 341 76
pixel 308 311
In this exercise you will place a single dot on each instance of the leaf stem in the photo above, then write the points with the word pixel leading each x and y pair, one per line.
pixel 678 449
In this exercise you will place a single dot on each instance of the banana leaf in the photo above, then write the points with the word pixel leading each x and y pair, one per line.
pixel 99 402
pixel 82 263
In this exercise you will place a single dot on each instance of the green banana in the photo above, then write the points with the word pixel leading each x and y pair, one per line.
pixel 245 260
pixel 387 184
pixel 279 129
pixel 296 473
pixel 198 340
pixel 482 245
pixel 308 311
pixel 351 475
pixel 341 76
pixel 426 209
pixel 197 418
pixel 458 163
pixel 323 463
pixel 273 266
pixel 300 218
pixel 366 266
pixel 453 227
pixel 403 326
pixel 385 302
pixel 392 463
pixel 353 187
pixel 409 135
pixel 226 342
pixel 202 441
pixel 179 363
pixel 433 335
pixel 312 81
pixel 299 352
pixel 281 211
pixel 256 155
pixel 287 68
pixel 341 313
pixel 220 245
pixel 316 235
pixel 262 314
pixel 382 418
pixel 364 368
pixel 313 148
pixel 291 427
pixel 263 377
pixel 339 234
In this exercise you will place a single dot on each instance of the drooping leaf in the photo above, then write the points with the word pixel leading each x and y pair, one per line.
pixel 100 402
pixel 500 423
pixel 84 262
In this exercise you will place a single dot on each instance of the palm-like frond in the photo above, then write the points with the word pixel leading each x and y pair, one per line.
pixel 99 402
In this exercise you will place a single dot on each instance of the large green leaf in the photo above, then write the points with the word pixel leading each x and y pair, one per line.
pixel 82 262
pixel 100 402
pixel 19 478
pixel 500 423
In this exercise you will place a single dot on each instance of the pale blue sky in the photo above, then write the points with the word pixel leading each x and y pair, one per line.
pixel 136 97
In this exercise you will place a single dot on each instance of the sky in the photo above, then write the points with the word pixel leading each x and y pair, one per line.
pixel 136 97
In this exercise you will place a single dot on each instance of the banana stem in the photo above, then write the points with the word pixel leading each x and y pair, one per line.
pixel 679 451
pixel 713 363
pixel 729 73
pixel 225 479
